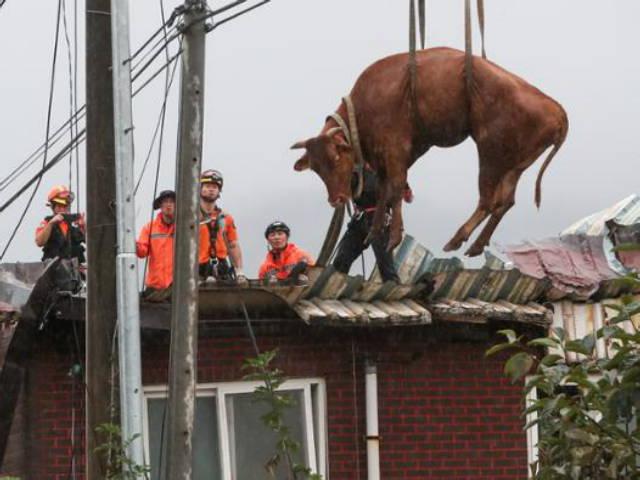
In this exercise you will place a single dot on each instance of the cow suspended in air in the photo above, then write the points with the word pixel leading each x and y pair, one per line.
pixel 511 122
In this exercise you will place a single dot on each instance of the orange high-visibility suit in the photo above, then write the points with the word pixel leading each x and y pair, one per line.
pixel 226 232
pixel 280 263
pixel 156 242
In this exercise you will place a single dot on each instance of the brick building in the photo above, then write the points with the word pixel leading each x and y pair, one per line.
pixel 444 411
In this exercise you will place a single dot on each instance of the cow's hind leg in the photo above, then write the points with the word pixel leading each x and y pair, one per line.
pixel 463 233
pixel 504 199
pixel 489 177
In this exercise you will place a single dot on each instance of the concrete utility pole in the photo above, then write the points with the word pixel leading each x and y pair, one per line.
pixel 101 232
pixel 127 262
pixel 184 305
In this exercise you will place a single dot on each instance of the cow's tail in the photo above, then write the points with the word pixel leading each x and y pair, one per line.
pixel 559 140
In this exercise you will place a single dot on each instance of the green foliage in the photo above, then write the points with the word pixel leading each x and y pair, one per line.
pixel 261 369
pixel 119 465
pixel 585 411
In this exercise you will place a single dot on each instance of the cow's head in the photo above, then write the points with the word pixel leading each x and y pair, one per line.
pixel 331 157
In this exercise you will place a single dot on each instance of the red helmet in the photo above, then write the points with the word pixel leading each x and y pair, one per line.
pixel 60 195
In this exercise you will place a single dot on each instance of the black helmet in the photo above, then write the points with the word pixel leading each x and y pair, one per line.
pixel 163 194
pixel 212 176
pixel 277 226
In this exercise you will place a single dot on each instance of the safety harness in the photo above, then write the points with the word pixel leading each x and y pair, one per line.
pixel 221 267
pixel 64 246
pixel 353 139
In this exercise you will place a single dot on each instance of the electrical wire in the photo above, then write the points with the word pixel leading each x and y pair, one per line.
pixel 136 72
pixel 57 158
pixel 160 125
pixel 75 98
pixel 72 123
pixel 60 132
pixel 159 128
pixel 71 90
pixel 49 110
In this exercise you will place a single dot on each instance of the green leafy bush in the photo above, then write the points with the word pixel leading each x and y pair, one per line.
pixel 586 411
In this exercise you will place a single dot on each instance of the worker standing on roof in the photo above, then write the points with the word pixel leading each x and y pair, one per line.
pixel 156 242
pixel 356 238
pixel 284 261
pixel 62 234
pixel 220 256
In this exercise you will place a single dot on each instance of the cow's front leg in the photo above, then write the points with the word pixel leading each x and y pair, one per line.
pixel 396 227
pixel 394 194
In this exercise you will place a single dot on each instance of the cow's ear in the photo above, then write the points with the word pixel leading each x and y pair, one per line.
pixel 300 144
pixel 341 143
pixel 302 164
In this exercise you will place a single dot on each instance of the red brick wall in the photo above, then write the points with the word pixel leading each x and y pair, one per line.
pixel 445 411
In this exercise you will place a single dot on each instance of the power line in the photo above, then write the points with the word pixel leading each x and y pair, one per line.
pixel 46 151
pixel 137 70
pixel 72 122
pixel 71 93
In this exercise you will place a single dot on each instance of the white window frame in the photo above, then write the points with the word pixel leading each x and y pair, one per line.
pixel 315 427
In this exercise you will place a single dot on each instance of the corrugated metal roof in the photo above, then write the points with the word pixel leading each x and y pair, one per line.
pixel 625 212
pixel 581 319
pixel 581 262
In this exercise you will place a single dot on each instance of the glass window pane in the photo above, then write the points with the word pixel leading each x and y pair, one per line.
pixel 206 464
pixel 253 444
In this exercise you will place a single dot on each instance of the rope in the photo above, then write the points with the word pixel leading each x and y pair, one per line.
pixel 355 143
pixel 468 47
pixel 412 49
pixel 481 21
pixel 160 124
pixel 252 334
pixel 46 151
pixel 422 9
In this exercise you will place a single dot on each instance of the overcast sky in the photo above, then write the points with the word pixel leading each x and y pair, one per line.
pixel 276 73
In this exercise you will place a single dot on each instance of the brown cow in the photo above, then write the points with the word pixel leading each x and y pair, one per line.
pixel 512 123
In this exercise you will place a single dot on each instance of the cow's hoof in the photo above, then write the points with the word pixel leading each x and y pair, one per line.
pixel 475 250
pixel 453 244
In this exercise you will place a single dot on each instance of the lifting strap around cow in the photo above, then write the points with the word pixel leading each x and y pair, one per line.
pixel 350 131
pixel 468 42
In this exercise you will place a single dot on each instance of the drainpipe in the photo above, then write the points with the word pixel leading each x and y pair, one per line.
pixel 373 440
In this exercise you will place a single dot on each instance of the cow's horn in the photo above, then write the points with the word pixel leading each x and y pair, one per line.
pixel 300 144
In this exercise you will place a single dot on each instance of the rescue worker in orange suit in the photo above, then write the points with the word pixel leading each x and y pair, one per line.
pixel 220 256
pixel 156 242
pixel 285 261
pixel 356 238
pixel 62 234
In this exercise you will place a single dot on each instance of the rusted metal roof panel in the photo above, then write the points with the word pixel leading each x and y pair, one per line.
pixel 409 312
pixel 579 319
pixel 351 313
pixel 625 212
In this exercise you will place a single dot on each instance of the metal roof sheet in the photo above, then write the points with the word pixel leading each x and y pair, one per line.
pixel 625 212
pixel 581 319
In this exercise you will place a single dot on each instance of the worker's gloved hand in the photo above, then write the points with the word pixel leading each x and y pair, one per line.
pixel 297 275
pixel 241 278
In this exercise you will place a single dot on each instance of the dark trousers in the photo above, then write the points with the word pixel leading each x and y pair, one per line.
pixel 353 244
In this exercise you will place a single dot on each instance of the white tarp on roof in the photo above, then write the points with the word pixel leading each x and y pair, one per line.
pixel 625 212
